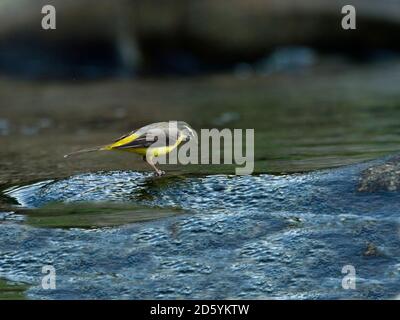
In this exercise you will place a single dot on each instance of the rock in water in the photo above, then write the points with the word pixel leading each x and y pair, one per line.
pixel 383 177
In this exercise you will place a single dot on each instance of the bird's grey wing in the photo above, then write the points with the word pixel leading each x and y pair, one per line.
pixel 163 136
pixel 143 141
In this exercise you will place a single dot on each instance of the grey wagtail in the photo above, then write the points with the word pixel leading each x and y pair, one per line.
pixel 150 141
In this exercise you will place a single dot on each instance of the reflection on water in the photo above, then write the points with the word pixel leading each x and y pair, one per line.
pixel 257 236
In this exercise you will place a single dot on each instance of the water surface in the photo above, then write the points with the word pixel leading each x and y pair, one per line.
pixel 259 236
pixel 112 230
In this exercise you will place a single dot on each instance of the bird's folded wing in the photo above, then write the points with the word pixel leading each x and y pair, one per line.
pixel 140 142
pixel 163 137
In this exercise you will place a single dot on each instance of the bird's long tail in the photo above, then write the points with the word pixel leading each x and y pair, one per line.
pixel 102 148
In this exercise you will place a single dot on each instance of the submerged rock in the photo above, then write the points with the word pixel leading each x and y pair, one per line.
pixel 383 177
pixel 371 250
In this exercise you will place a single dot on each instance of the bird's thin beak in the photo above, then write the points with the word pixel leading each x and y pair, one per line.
pixel 191 138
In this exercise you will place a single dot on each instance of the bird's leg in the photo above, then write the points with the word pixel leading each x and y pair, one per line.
pixel 149 160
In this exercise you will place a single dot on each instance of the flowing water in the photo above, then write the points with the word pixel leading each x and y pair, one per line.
pixel 259 236
pixel 113 230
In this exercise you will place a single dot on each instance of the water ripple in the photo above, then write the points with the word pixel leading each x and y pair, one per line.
pixel 243 237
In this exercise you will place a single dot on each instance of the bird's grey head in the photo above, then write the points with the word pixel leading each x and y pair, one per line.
pixel 187 132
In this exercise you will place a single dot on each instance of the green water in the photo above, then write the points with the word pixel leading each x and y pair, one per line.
pixel 303 122
pixel 93 215
pixel 12 291
pixel 313 125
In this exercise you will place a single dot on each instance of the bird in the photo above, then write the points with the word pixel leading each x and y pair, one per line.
pixel 150 141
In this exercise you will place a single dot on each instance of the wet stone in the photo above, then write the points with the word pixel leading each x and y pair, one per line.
pixel 382 177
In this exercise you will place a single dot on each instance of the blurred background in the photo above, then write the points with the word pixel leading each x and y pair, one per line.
pixel 317 95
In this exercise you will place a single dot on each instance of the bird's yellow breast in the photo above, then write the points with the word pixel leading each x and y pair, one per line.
pixel 154 152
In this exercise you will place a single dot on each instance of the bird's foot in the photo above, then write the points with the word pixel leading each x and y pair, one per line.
pixel 159 173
